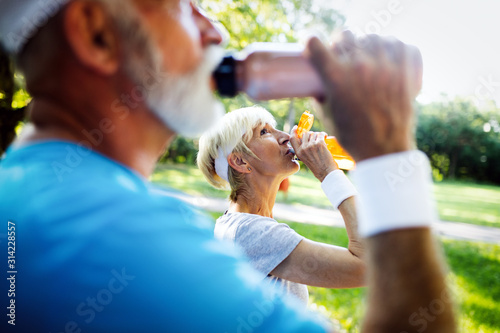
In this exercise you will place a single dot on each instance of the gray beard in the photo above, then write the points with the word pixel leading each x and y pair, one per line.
pixel 184 103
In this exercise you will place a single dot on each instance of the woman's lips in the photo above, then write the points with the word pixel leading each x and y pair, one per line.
pixel 290 151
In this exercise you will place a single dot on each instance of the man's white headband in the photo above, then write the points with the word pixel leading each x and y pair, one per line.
pixel 21 19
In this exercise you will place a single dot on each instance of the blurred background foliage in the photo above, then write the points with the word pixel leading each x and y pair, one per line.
pixel 462 141
pixel 13 101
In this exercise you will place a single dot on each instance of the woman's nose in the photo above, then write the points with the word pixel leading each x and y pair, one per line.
pixel 284 138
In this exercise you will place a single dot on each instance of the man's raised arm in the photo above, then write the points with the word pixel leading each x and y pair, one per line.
pixel 371 84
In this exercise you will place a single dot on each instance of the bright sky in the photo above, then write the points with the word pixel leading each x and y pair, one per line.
pixel 459 40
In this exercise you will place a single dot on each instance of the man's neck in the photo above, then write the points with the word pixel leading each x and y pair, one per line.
pixel 134 138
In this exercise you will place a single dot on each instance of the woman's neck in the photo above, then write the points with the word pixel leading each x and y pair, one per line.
pixel 258 200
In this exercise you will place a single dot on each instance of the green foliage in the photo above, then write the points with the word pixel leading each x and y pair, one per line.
pixel 13 101
pixel 279 108
pixel 249 21
pixel 20 99
pixel 181 150
pixel 461 141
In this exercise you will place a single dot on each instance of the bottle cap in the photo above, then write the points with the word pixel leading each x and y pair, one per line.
pixel 225 77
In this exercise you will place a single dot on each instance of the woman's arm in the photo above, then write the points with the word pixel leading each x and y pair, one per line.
pixel 348 210
pixel 322 265
pixel 319 264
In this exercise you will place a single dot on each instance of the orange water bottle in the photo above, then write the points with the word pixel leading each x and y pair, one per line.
pixel 305 123
pixel 343 159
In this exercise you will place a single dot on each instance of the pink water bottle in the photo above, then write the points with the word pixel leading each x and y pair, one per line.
pixel 267 71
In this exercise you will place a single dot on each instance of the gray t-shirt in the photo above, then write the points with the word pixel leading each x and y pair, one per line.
pixel 266 242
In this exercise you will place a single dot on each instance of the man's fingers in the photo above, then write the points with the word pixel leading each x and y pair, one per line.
pixel 374 47
pixel 345 46
pixel 325 63
pixel 416 69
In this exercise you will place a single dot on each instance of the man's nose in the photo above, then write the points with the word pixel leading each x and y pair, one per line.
pixel 210 35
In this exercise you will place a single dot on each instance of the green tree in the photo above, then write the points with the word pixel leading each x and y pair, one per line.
pixel 249 21
pixel 461 141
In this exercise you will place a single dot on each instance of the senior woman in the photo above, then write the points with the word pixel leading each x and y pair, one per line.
pixel 247 152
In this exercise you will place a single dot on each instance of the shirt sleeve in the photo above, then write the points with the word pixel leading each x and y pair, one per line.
pixel 266 242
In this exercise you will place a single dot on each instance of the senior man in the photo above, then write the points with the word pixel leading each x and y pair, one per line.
pixel 98 248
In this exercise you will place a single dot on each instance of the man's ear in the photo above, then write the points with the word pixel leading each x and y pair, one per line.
pixel 91 36
pixel 238 163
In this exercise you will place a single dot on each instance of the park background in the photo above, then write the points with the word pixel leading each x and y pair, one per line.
pixel 458 130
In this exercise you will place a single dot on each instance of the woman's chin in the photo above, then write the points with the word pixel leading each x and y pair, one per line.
pixel 295 166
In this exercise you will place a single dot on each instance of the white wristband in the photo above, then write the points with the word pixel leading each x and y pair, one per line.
pixel 395 192
pixel 337 187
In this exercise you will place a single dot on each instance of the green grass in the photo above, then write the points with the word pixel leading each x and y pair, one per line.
pixel 457 201
pixel 468 202
pixel 474 280
pixel 474 275
pixel 186 178
pixel 345 306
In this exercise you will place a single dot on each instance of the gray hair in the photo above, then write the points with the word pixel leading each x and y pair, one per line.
pixel 235 129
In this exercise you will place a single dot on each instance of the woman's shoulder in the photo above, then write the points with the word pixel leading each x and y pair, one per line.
pixel 234 225
pixel 239 225
pixel 240 218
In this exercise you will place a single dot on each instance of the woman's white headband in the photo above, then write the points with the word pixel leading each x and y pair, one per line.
pixel 221 165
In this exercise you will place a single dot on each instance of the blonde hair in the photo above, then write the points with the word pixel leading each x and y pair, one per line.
pixel 234 129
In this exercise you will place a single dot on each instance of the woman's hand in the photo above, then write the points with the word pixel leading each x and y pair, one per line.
pixel 312 150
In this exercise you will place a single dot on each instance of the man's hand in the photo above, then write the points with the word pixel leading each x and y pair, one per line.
pixel 370 85
pixel 312 150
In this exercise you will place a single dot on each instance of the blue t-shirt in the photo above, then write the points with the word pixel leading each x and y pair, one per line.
pixel 100 249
